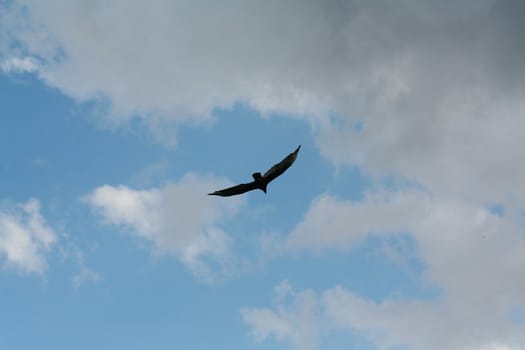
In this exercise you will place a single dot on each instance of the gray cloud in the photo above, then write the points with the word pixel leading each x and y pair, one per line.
pixel 435 88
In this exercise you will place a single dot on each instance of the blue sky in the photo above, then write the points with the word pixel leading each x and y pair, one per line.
pixel 117 119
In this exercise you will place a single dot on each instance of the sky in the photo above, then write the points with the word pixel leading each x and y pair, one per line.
pixel 400 226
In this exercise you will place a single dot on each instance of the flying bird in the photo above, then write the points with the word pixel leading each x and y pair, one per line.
pixel 260 181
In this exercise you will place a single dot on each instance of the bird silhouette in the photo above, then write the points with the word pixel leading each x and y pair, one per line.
pixel 260 181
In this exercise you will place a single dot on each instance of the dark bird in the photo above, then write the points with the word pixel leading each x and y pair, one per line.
pixel 260 181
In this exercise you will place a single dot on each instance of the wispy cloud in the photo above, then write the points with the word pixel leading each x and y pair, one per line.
pixel 84 276
pixel 19 65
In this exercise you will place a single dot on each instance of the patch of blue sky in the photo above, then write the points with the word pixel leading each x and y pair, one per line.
pixel 497 209
pixel 144 302
pixel 517 314
pixel 47 149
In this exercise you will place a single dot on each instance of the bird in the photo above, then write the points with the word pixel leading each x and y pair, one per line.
pixel 260 181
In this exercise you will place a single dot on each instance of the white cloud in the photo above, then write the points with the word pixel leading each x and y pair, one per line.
pixel 331 222
pixel 179 58
pixel 473 256
pixel 419 324
pixel 178 218
pixel 296 322
pixel 25 237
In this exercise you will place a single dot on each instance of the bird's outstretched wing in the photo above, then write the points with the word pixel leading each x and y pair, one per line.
pixel 232 191
pixel 260 182
pixel 281 167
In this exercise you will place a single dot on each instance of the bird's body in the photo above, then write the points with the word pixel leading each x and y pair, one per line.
pixel 260 181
